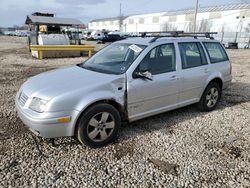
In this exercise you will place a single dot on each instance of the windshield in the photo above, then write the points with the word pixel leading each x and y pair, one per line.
pixel 114 59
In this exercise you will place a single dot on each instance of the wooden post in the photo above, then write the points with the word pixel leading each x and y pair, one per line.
pixel 90 53
pixel 195 15
pixel 40 54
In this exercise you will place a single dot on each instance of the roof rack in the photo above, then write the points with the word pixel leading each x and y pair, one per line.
pixel 162 34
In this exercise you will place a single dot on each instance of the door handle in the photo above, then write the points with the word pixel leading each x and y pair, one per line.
pixel 206 70
pixel 174 77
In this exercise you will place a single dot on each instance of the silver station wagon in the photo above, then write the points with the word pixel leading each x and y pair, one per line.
pixel 126 81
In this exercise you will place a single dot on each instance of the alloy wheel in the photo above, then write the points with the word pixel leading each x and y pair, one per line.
pixel 100 126
pixel 212 97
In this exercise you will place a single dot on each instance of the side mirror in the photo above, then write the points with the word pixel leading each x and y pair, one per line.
pixel 145 75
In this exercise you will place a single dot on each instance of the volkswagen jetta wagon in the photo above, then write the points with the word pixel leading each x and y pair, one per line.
pixel 126 81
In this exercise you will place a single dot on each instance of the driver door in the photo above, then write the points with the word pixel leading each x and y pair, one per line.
pixel 148 97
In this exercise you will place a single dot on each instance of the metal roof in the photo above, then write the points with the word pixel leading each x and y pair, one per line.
pixel 108 19
pixel 189 11
pixel 210 9
pixel 35 20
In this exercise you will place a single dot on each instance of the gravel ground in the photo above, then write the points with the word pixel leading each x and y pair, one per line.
pixel 181 148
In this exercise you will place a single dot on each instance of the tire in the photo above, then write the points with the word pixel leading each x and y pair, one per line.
pixel 210 97
pixel 98 126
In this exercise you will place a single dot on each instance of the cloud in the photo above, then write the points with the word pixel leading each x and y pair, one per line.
pixel 82 2
pixel 15 11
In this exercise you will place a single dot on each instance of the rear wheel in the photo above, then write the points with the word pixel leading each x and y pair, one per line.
pixel 210 97
pixel 98 126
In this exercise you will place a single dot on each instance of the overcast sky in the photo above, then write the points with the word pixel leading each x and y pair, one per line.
pixel 15 11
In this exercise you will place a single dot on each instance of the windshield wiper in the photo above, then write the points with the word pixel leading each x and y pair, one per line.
pixel 85 67
pixel 88 68
pixel 79 64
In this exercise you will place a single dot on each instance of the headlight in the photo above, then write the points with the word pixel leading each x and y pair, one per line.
pixel 38 104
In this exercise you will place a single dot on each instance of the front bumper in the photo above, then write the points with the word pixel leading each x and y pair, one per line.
pixel 46 124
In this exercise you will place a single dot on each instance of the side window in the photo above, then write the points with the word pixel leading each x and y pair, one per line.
pixel 192 55
pixel 215 51
pixel 159 60
pixel 153 53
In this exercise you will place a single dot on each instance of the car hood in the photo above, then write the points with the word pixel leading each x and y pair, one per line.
pixel 49 84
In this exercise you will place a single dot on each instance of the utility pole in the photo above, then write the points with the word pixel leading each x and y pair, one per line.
pixel 120 18
pixel 195 15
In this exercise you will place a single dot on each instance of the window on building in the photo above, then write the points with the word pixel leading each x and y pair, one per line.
pixel 214 15
pixel 245 13
pixel 172 18
pixel 141 20
pixel 155 19
pixel 216 52
pixel 131 21
pixel 189 17
pixel 192 55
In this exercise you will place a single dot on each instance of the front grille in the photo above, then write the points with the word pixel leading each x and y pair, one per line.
pixel 22 99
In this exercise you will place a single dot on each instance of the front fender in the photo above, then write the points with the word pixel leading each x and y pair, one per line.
pixel 88 100
pixel 94 98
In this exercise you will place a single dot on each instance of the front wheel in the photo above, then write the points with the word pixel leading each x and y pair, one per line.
pixel 98 126
pixel 210 97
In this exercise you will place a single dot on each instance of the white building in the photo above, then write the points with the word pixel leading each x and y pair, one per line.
pixel 230 18
pixel 232 22
pixel 143 22
pixel 111 24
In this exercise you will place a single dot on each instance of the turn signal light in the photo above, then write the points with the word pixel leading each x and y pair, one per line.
pixel 64 119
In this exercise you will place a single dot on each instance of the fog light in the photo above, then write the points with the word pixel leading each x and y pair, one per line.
pixel 64 119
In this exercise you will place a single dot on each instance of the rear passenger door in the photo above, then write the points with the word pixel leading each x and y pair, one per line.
pixel 194 73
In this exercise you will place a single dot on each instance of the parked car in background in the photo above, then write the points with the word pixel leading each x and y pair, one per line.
pixel 115 36
pixel 96 35
pixel 129 80
pixel 86 34
pixel 112 38
pixel 21 33
pixel 9 33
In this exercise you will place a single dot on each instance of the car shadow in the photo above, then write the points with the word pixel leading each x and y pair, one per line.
pixel 237 93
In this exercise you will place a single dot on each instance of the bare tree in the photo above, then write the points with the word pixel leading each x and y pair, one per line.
pixel 247 28
pixel 222 32
pixel 189 26
pixel 204 26
pixel 169 27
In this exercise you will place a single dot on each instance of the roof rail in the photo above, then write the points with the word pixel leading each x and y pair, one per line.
pixel 158 33
pixel 162 34
pixel 200 34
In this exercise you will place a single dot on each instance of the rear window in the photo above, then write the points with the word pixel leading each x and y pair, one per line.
pixel 216 52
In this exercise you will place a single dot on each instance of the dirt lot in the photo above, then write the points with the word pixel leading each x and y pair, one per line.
pixel 181 148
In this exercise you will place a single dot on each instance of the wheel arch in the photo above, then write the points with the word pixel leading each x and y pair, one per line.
pixel 216 79
pixel 111 101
